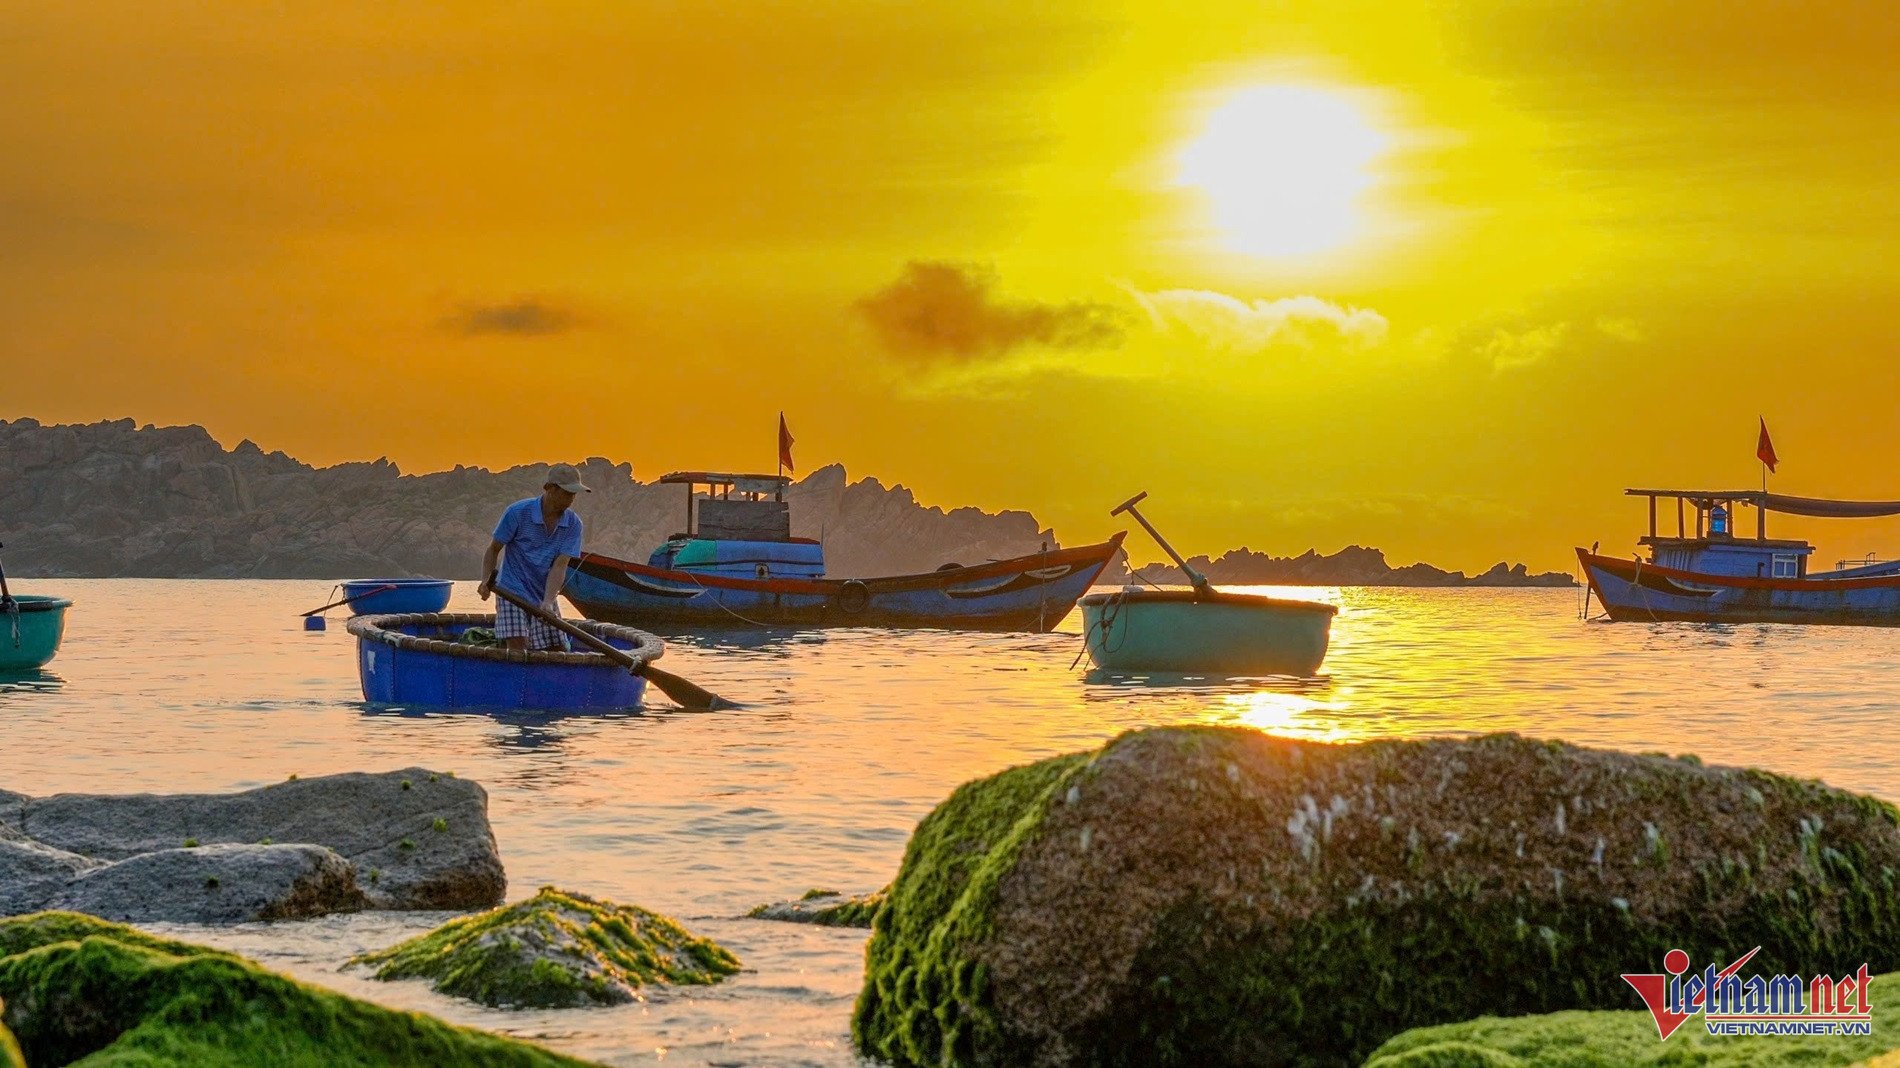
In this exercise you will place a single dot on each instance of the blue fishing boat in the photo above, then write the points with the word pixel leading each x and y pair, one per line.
pixel 30 630
pixel 737 565
pixel 1202 630
pixel 1713 575
pixel 429 660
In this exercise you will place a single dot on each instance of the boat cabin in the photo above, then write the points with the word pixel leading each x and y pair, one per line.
pixel 740 525
pixel 1715 547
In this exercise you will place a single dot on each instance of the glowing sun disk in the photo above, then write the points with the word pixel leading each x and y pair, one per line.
pixel 1282 167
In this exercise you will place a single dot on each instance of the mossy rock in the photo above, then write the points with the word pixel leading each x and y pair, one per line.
pixel 10 1055
pixel 555 950
pixel 1628 1040
pixel 1218 896
pixel 79 990
pixel 826 908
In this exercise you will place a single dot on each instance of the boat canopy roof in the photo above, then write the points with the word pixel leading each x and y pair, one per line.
pixel 718 479
pixel 1779 502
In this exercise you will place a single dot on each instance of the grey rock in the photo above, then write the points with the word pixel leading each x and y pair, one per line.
pixel 411 839
pixel 32 874
pixel 216 884
pixel 385 824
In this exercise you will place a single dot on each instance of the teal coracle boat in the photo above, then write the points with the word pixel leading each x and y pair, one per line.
pixel 1205 632
pixel 30 629
pixel 1201 631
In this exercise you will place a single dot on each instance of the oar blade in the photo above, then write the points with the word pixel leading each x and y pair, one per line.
pixel 688 695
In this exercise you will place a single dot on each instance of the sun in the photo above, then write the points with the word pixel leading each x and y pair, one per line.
pixel 1282 167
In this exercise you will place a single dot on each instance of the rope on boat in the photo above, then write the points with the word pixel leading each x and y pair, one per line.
pixel 13 619
pixel 646 647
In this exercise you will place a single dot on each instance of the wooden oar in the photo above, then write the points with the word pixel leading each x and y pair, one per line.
pixel 347 600
pixel 1195 578
pixel 688 695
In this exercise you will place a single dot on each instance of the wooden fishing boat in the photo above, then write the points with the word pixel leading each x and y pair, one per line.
pixel 30 630
pixel 421 660
pixel 739 566
pixel 1202 631
pixel 1711 575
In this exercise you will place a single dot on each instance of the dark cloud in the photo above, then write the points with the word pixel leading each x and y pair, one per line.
pixel 526 317
pixel 948 311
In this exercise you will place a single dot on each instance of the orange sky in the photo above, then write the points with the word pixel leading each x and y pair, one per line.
pixel 960 247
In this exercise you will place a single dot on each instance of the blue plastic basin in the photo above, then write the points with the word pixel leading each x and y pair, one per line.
pixel 409 595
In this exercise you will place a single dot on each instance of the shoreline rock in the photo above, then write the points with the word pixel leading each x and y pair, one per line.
pixel 1218 896
pixel 410 839
pixel 556 950
pixel 77 987
pixel 825 908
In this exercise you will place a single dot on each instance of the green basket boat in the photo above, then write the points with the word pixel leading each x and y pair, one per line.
pixel 1205 632
pixel 30 637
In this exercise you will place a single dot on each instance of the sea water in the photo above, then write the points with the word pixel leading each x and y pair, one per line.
pixel 848 738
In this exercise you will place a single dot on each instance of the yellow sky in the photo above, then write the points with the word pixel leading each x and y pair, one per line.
pixel 955 244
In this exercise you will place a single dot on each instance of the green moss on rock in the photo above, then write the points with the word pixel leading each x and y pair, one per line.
pixel 80 990
pixel 10 1055
pixel 1218 896
pixel 555 950
pixel 825 908
pixel 1628 1040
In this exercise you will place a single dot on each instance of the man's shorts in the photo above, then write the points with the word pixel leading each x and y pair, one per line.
pixel 512 622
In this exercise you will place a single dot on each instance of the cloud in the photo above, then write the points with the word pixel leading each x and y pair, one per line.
pixel 1511 350
pixel 1245 327
pixel 947 311
pixel 522 317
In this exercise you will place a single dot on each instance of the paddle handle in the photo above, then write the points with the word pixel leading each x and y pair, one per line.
pixel 347 600
pixel 618 656
pixel 1195 578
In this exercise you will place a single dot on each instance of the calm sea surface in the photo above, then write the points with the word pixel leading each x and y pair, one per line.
pixel 850 737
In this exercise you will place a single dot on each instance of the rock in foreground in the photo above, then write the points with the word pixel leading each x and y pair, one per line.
pixel 1628 1040
pixel 76 987
pixel 555 950
pixel 826 908
pixel 1218 896
pixel 411 839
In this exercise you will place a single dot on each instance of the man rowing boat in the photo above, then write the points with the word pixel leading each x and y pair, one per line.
pixel 540 535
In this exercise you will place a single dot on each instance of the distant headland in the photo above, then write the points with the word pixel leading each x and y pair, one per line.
pixel 116 499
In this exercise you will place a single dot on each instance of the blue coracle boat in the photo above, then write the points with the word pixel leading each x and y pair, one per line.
pixel 393 595
pixel 420 660
pixel 739 566
pixel 29 637
pixel 1714 575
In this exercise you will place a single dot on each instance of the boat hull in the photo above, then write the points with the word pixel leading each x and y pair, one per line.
pixel 406 595
pixel 1174 632
pixel 415 660
pixel 1633 591
pixel 41 623
pixel 1031 593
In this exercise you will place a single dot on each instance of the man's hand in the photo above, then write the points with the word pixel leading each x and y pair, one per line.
pixel 548 607
pixel 487 587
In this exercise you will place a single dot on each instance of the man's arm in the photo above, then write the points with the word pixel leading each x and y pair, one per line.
pixel 557 577
pixel 489 560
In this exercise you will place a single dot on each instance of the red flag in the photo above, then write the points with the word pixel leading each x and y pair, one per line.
pixel 1764 449
pixel 785 444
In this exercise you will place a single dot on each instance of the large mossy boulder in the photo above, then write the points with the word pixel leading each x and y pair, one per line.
pixel 555 950
pixel 1219 896
pixel 1607 1039
pixel 79 988
pixel 824 908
